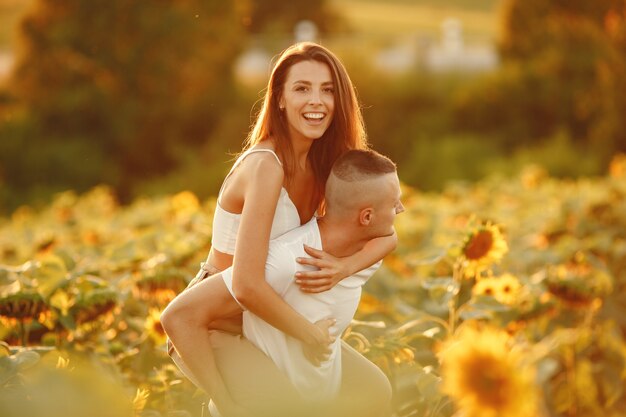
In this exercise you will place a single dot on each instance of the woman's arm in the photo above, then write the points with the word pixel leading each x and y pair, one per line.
pixel 263 179
pixel 331 270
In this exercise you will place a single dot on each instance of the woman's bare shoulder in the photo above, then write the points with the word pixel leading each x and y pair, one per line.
pixel 262 164
pixel 266 144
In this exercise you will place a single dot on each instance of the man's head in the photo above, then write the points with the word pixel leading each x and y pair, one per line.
pixel 363 189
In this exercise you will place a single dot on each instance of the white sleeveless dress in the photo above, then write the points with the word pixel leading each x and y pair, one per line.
pixel 224 237
pixel 226 224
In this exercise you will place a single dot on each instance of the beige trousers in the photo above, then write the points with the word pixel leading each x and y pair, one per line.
pixel 257 384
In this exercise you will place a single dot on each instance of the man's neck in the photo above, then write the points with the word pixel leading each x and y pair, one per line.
pixel 339 239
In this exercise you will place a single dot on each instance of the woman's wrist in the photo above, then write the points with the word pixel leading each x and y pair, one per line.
pixel 347 267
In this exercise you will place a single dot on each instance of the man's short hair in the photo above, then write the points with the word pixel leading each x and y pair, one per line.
pixel 359 165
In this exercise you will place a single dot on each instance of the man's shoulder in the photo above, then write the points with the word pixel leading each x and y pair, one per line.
pixel 281 264
pixel 294 239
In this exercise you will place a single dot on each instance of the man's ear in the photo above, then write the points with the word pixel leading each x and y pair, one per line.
pixel 365 216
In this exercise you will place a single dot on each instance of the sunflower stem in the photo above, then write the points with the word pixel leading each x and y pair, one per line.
pixel 23 332
pixel 452 310
pixel 20 329
pixel 570 375
pixel 451 315
pixel 26 333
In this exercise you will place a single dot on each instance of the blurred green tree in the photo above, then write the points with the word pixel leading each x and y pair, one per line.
pixel 114 89
pixel 563 72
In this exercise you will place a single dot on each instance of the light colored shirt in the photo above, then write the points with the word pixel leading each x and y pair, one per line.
pixel 339 303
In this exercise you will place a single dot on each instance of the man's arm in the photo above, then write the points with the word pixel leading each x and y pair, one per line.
pixel 331 270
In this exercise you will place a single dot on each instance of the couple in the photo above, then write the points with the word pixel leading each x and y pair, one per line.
pixel 309 118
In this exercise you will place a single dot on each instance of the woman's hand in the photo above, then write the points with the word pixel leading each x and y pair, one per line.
pixel 331 271
pixel 320 350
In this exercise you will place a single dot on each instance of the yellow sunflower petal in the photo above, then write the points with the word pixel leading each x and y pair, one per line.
pixel 485 376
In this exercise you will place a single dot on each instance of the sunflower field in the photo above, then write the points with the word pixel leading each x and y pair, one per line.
pixel 505 297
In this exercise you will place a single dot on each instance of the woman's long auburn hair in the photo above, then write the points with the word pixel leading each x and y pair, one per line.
pixel 345 132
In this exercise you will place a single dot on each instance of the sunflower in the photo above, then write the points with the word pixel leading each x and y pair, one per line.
pixel 486 376
pixel 398 265
pixel 579 283
pixel 509 289
pixel 371 304
pixel 505 288
pixel 91 305
pixel 532 176
pixel 24 305
pixel 617 168
pixel 486 286
pixel 482 247
pixel 185 203
pixel 153 327
pixel 159 283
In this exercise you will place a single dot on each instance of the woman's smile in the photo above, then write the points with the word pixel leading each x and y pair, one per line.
pixel 308 99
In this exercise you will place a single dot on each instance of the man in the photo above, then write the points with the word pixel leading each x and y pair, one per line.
pixel 362 200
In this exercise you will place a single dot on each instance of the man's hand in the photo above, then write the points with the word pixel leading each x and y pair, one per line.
pixel 330 271
pixel 319 352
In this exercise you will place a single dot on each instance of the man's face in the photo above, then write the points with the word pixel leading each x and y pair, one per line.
pixel 388 206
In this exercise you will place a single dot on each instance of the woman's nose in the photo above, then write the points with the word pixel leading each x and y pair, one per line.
pixel 315 97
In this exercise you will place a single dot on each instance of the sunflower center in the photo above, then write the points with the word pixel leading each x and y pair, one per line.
pixel 158 328
pixel 479 245
pixel 492 382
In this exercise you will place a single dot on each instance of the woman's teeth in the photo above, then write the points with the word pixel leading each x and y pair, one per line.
pixel 314 116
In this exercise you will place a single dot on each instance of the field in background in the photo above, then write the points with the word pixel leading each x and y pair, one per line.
pixel 401 18
pixel 84 280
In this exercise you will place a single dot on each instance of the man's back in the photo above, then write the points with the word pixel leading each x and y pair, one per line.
pixel 339 303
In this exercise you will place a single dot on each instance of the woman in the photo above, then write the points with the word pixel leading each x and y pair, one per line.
pixel 310 116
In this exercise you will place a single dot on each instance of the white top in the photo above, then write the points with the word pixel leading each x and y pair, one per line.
pixel 339 303
pixel 226 224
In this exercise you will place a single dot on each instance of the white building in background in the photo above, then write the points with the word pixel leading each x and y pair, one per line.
pixel 451 54
pixel 252 67
pixel 400 58
pixel 305 31
pixel 414 52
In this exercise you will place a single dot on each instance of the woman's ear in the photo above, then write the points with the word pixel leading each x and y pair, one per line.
pixel 365 216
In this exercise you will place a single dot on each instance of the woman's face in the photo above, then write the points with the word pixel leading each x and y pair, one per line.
pixel 308 100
